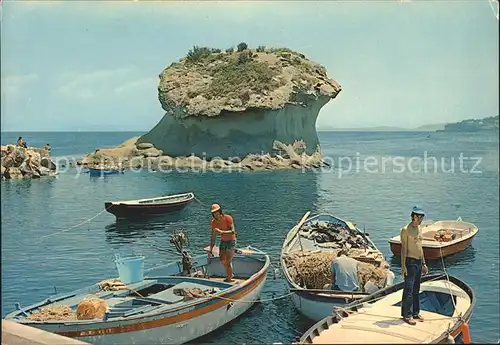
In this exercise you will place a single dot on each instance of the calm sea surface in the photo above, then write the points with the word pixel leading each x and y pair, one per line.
pixel 376 179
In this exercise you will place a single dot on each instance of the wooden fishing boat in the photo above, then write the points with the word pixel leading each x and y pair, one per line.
pixel 316 304
pixel 153 310
pixel 446 306
pixel 104 171
pixel 441 238
pixel 148 207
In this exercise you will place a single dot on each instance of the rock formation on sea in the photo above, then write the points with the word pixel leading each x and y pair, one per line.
pixel 19 162
pixel 227 104
pixel 251 108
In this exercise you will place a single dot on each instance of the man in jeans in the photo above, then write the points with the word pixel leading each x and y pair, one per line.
pixel 412 266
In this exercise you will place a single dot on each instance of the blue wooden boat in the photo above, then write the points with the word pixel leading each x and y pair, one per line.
pixel 317 303
pixel 148 207
pixel 152 312
pixel 104 171
pixel 446 304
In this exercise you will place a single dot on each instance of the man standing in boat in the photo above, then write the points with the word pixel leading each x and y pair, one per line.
pixel 412 266
pixel 223 224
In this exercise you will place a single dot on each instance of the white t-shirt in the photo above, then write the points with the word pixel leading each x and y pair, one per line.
pixel 346 273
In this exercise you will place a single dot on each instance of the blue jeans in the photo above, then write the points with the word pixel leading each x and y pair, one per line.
pixel 410 305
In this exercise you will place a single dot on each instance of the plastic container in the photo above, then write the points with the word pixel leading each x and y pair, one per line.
pixel 130 269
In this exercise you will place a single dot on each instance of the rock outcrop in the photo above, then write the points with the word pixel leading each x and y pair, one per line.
pixel 134 155
pixel 19 162
pixel 233 104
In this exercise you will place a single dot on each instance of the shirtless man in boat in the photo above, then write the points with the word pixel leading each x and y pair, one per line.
pixel 412 266
pixel 223 224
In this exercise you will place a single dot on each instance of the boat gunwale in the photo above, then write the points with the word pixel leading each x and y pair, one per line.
pixel 184 197
pixel 256 278
pixel 335 317
pixel 436 244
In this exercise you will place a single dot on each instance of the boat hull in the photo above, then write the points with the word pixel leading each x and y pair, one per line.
pixel 456 328
pixel 170 326
pixel 97 172
pixel 185 328
pixel 123 211
pixel 431 253
pixel 315 306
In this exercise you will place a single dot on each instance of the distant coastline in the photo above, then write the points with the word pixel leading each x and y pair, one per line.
pixel 424 128
pixel 473 125
pixel 468 126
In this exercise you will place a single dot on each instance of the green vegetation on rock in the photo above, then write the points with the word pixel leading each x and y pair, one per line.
pixel 241 74
pixel 209 80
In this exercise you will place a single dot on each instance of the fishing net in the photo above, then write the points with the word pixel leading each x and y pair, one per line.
pixel 192 293
pixel 91 308
pixel 113 284
pixel 53 312
pixel 312 270
pixel 444 236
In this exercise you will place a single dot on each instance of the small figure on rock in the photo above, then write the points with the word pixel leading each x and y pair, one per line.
pixel 47 148
pixel 21 143
pixel 223 224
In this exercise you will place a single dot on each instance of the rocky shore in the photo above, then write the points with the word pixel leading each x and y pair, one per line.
pixel 19 162
pixel 135 156
pixel 233 110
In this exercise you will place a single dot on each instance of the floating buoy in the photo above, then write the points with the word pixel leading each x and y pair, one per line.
pixel 465 333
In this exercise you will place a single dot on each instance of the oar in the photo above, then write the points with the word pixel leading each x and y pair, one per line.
pixel 300 224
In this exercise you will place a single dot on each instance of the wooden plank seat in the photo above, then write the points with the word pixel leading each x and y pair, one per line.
pixel 73 301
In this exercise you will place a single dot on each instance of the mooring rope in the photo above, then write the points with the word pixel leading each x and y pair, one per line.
pixel 75 226
pixel 256 301
pixel 447 278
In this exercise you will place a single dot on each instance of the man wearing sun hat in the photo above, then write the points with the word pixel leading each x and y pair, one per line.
pixel 412 266
pixel 223 224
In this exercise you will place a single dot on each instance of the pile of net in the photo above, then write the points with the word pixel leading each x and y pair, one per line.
pixel 53 312
pixel 112 285
pixel 312 270
pixel 192 293
pixel 444 236
pixel 90 308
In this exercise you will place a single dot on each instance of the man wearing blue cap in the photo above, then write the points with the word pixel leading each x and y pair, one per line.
pixel 412 266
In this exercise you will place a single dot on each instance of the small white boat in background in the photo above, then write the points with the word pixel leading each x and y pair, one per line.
pixel 446 306
pixel 441 238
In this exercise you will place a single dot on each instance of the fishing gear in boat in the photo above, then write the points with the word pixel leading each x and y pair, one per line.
pixel 180 240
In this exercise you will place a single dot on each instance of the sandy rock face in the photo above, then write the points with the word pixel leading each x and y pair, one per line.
pixel 129 156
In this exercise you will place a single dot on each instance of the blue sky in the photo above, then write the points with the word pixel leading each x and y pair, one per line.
pixel 93 65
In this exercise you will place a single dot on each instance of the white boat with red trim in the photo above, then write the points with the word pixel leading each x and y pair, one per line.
pixel 184 304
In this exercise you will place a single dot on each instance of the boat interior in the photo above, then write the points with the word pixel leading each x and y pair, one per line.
pixel 379 321
pixel 159 293
pixel 446 231
pixel 296 242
